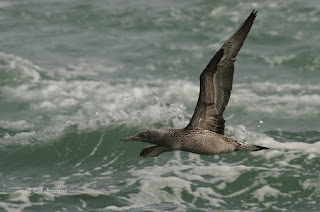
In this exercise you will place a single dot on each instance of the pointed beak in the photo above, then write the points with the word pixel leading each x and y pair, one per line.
pixel 132 138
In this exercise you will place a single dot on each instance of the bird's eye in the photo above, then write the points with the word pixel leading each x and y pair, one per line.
pixel 142 135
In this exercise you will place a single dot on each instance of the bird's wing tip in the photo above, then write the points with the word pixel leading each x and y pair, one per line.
pixel 254 12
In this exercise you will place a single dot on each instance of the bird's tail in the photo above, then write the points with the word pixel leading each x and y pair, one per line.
pixel 250 147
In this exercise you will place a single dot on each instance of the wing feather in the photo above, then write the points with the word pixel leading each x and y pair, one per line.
pixel 216 82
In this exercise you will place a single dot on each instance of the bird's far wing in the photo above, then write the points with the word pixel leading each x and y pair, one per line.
pixel 216 82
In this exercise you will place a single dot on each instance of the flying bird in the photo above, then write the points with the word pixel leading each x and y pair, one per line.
pixel 205 133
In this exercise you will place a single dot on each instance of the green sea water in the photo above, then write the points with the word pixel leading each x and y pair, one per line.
pixel 77 76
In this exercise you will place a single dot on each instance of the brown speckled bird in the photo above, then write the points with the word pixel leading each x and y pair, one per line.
pixel 204 133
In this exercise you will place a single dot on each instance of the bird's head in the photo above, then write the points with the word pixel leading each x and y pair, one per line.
pixel 149 136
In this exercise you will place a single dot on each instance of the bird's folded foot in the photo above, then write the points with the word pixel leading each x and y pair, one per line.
pixel 153 151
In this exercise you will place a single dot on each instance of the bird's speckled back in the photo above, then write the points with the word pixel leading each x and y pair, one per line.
pixel 199 141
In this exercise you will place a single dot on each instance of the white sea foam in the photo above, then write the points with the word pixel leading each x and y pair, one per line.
pixel 153 186
pixel 312 184
pixel 241 133
pixel 266 191
pixel 85 69
pixel 19 68
pixel 277 60
pixel 18 201
pixel 218 11
pixel 153 182
pixel 278 99
pixel 15 125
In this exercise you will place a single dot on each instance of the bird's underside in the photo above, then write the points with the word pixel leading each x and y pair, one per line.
pixel 203 142
pixel 205 132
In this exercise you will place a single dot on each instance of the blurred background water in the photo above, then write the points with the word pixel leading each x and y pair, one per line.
pixel 76 76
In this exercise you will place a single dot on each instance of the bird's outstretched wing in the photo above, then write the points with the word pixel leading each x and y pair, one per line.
pixel 216 82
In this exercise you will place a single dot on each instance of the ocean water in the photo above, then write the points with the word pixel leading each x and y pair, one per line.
pixel 77 76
